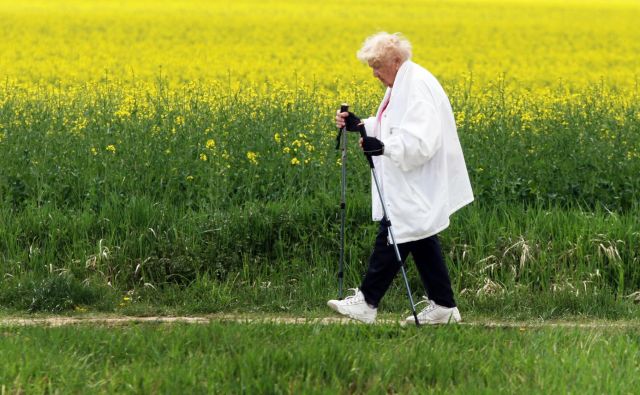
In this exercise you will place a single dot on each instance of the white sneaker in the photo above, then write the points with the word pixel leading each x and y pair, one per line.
pixel 436 314
pixel 355 307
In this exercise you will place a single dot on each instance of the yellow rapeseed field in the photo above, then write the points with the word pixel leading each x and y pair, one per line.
pixel 530 44
pixel 536 53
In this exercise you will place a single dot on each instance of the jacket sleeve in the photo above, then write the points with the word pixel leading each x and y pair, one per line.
pixel 417 138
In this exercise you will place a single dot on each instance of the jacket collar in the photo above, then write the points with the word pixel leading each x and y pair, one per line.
pixel 401 81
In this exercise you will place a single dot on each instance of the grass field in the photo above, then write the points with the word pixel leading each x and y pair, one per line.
pixel 240 358
pixel 179 158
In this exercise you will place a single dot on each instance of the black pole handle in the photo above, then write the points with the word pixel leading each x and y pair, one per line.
pixel 343 108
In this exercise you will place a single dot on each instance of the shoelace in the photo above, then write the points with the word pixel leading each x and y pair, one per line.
pixel 353 298
pixel 431 306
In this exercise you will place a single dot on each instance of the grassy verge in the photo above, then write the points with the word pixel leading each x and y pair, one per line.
pixel 271 358
pixel 506 261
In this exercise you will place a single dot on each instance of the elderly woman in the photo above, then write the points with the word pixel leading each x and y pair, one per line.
pixel 423 177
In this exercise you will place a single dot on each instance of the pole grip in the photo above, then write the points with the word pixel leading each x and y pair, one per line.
pixel 344 107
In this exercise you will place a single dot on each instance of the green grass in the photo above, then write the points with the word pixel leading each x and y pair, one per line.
pixel 574 262
pixel 272 358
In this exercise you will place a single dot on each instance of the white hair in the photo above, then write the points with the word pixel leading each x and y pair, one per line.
pixel 383 46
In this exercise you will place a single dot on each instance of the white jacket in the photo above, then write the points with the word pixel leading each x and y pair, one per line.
pixel 422 172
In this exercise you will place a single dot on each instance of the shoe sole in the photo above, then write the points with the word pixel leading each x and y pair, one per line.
pixel 450 320
pixel 336 308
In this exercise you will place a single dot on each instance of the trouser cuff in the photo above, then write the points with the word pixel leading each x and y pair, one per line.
pixel 368 298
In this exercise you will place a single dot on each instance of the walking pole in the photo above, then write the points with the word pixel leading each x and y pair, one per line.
pixel 387 221
pixel 342 135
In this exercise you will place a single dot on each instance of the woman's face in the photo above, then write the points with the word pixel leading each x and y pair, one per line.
pixel 386 70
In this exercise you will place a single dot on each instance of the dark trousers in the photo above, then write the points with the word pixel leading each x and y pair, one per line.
pixel 383 267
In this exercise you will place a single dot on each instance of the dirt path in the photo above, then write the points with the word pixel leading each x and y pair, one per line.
pixel 128 320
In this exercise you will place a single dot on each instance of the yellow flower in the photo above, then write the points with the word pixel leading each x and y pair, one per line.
pixel 189 178
pixel 111 148
pixel 94 151
pixel 252 157
pixel 276 137
pixel 126 107
pixel 122 113
pixel 203 157
pixel 295 161
pixel 211 144
pixel 286 150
